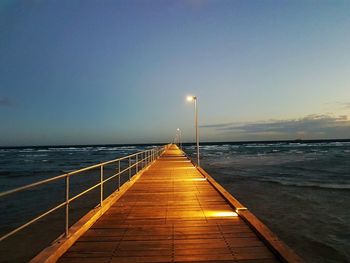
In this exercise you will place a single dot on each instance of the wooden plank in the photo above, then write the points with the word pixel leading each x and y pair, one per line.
pixel 85 260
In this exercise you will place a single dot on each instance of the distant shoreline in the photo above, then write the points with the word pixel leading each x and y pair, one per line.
pixel 184 143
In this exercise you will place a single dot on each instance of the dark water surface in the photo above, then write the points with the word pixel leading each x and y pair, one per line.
pixel 21 166
pixel 300 190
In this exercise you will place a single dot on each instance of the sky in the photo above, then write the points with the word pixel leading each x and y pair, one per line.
pixel 105 72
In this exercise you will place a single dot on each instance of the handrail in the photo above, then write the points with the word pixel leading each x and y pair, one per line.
pixel 142 160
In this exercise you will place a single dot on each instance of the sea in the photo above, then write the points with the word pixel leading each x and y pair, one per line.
pixel 299 189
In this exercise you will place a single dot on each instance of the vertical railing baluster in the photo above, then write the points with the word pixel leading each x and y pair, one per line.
pixel 67 206
pixel 137 164
pixel 118 175
pixel 101 186
pixel 143 160
pixel 129 168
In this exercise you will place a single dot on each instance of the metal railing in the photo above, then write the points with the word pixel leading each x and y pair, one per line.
pixel 137 162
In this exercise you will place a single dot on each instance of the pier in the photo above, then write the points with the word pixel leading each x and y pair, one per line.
pixel 171 212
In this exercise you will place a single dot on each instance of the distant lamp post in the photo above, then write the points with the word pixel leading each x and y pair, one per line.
pixel 176 139
pixel 194 99
pixel 180 140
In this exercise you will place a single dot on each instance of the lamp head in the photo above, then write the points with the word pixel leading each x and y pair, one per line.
pixel 191 98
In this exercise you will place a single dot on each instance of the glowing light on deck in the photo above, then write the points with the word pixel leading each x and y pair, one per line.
pixel 222 214
pixel 198 179
pixel 241 209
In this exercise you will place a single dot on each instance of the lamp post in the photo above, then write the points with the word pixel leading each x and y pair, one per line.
pixel 194 99
pixel 180 142
pixel 176 139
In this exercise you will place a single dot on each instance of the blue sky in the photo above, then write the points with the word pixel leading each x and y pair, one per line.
pixel 91 72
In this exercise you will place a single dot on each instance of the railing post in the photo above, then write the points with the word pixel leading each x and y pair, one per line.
pixel 137 163
pixel 129 168
pixel 101 187
pixel 118 175
pixel 67 206
pixel 143 160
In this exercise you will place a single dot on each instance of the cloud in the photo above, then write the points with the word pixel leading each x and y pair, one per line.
pixel 321 125
pixel 220 125
pixel 345 105
pixel 5 102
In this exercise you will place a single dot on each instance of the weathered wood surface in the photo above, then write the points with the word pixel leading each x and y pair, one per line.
pixel 170 214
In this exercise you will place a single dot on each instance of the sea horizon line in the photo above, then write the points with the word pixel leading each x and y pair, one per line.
pixel 183 143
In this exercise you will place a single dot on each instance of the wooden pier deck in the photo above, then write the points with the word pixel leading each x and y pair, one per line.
pixel 172 213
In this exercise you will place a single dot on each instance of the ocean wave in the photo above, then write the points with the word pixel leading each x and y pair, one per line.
pixel 211 147
pixel 126 147
pixel 33 155
pixel 70 149
pixel 255 160
pixel 310 184
pixel 258 146
pixel 295 151
pixel 26 150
